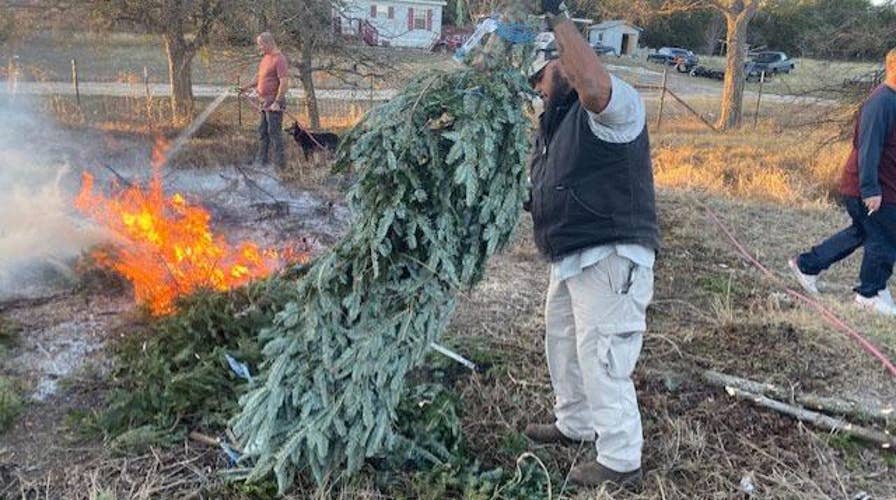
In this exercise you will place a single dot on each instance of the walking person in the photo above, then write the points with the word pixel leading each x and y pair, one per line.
pixel 594 218
pixel 271 84
pixel 868 188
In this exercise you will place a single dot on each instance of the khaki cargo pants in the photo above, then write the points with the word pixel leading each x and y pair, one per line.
pixel 595 326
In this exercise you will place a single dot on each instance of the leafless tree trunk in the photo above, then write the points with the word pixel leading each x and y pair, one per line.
pixel 306 75
pixel 184 26
pixel 180 56
pixel 712 33
pixel 731 111
pixel 737 15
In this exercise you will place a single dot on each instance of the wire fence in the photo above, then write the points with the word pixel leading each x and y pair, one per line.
pixel 139 96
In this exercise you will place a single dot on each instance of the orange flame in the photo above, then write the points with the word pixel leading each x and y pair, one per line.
pixel 165 248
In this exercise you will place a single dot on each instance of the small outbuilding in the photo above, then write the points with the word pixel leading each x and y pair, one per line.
pixel 621 36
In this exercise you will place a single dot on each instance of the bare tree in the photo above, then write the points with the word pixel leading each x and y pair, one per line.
pixel 184 26
pixel 737 15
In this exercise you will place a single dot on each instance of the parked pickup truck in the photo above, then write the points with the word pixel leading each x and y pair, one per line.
pixel 769 62
pixel 682 59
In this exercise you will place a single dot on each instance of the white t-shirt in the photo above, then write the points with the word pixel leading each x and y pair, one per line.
pixel 621 122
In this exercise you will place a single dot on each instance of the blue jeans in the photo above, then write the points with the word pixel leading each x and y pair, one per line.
pixel 270 132
pixel 877 233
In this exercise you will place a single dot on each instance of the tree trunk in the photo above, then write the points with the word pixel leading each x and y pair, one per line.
pixel 306 74
pixel 712 33
pixel 733 91
pixel 180 58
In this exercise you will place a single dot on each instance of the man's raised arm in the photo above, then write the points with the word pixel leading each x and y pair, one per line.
pixel 583 68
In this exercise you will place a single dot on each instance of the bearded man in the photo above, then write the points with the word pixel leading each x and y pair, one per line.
pixel 594 218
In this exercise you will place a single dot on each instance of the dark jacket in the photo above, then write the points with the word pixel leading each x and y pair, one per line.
pixel 588 192
pixel 871 167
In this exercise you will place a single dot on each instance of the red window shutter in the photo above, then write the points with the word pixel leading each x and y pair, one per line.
pixel 373 11
pixel 410 19
pixel 429 19
pixel 391 12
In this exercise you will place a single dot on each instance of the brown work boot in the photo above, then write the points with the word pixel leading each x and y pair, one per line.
pixel 593 474
pixel 550 434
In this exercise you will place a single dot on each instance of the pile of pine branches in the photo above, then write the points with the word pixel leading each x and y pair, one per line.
pixel 441 181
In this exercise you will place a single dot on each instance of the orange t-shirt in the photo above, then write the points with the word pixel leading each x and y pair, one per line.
pixel 271 69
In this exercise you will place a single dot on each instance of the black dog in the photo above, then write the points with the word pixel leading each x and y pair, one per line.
pixel 313 141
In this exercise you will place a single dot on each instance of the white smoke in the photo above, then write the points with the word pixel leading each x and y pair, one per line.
pixel 40 232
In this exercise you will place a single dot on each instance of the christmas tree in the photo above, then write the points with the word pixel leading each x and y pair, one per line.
pixel 440 184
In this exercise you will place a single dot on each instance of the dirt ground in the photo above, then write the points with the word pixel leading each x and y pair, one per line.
pixel 710 311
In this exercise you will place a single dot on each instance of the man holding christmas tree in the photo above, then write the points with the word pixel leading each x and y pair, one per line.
pixel 595 220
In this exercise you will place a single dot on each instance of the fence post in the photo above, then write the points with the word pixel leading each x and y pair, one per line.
pixel 239 104
pixel 659 116
pixel 13 72
pixel 146 82
pixel 758 100
pixel 148 94
pixel 75 82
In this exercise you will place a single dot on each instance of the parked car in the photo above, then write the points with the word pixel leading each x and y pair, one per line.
pixel 683 59
pixel 769 62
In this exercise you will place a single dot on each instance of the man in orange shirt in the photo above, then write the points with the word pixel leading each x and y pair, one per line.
pixel 271 83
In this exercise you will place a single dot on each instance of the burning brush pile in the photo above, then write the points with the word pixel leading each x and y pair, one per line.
pixel 164 244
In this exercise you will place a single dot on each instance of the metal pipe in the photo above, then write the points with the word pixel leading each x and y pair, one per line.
pixel 453 355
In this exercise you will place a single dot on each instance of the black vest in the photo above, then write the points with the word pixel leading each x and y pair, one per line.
pixel 588 192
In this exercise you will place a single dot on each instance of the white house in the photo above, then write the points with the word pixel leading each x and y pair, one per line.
pixel 397 23
pixel 619 35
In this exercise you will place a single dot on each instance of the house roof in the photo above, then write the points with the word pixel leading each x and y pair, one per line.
pixel 605 25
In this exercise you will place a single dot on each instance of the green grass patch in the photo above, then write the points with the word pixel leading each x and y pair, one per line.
pixel 9 335
pixel 723 285
pixel 11 404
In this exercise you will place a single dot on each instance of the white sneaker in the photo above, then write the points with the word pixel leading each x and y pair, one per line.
pixel 807 281
pixel 882 303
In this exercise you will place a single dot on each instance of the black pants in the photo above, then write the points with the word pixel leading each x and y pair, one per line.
pixel 877 233
pixel 270 133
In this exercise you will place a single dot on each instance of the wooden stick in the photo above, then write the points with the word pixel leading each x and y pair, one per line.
pixel 124 180
pixel 882 439
pixel 659 115
pixel 205 439
pixel 865 412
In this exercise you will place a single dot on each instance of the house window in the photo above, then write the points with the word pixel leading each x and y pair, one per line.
pixel 420 19
pixel 380 10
